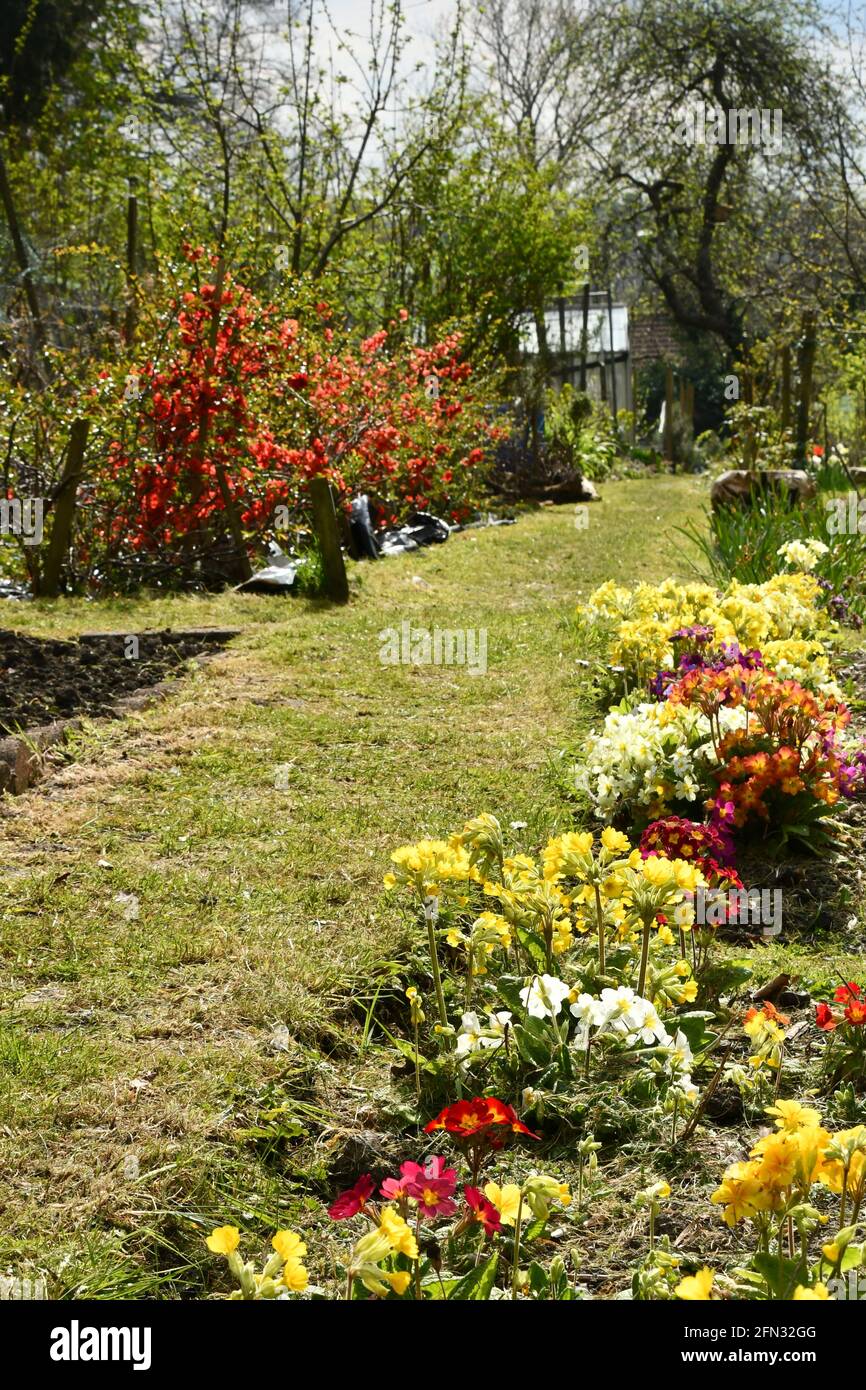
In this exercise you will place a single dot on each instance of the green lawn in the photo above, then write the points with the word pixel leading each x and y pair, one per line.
pixel 141 1042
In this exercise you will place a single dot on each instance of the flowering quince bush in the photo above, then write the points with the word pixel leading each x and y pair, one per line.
pixel 547 974
pixel 420 1230
pixel 235 404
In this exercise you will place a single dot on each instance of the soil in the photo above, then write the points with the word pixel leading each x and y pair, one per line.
pixel 42 680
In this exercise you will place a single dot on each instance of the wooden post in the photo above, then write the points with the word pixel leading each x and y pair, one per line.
pixel 131 257
pixel 614 411
pixel 786 387
pixel 805 363
pixel 328 534
pixel 668 440
pixel 64 510
pixel 583 336
pixel 633 405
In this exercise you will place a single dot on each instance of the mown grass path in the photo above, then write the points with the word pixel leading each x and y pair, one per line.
pixel 180 936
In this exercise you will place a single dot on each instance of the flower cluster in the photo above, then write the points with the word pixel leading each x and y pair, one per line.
pixel 758 747
pixel 845 1058
pixel 647 625
pixel 708 846
pixel 802 555
pixel 235 403
pixel 650 758
pixel 584 959
pixel 283 1273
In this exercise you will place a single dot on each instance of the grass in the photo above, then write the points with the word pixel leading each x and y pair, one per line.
pixel 199 1049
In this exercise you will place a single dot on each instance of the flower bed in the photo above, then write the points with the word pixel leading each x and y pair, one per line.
pixel 558 989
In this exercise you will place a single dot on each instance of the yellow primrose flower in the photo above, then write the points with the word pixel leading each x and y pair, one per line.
pixel 505 1199
pixel 696 1288
pixel 657 871
pixel 817 1294
pixel 791 1115
pixel 224 1240
pixel 289 1246
pixel 614 841
pixel 740 1192
pixel 397 1233
pixel 295 1277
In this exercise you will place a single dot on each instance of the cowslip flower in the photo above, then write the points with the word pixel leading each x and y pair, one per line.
pixel 397 1233
pixel 539 1191
pixel 367 1255
pixel 291 1250
pixel 353 1201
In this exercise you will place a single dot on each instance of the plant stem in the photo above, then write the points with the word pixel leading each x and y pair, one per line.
pixel 599 917
pixel 644 956
pixel 516 1270
pixel 431 915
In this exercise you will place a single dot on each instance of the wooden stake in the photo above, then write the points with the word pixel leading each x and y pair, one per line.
pixel 805 363
pixel 668 441
pixel 64 511
pixel 328 534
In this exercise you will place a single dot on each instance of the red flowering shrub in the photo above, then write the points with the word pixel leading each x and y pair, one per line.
pixel 237 404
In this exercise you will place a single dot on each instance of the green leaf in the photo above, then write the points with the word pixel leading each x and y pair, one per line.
pixel 476 1286
pixel 534 946
pixel 532 1049
pixel 782 1275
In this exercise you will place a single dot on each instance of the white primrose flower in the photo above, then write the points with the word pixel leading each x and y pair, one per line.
pixel 543 997
pixel 650 1029
pixel 588 1011
pixel 473 1037
pixel 680 1058
pixel 621 1009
